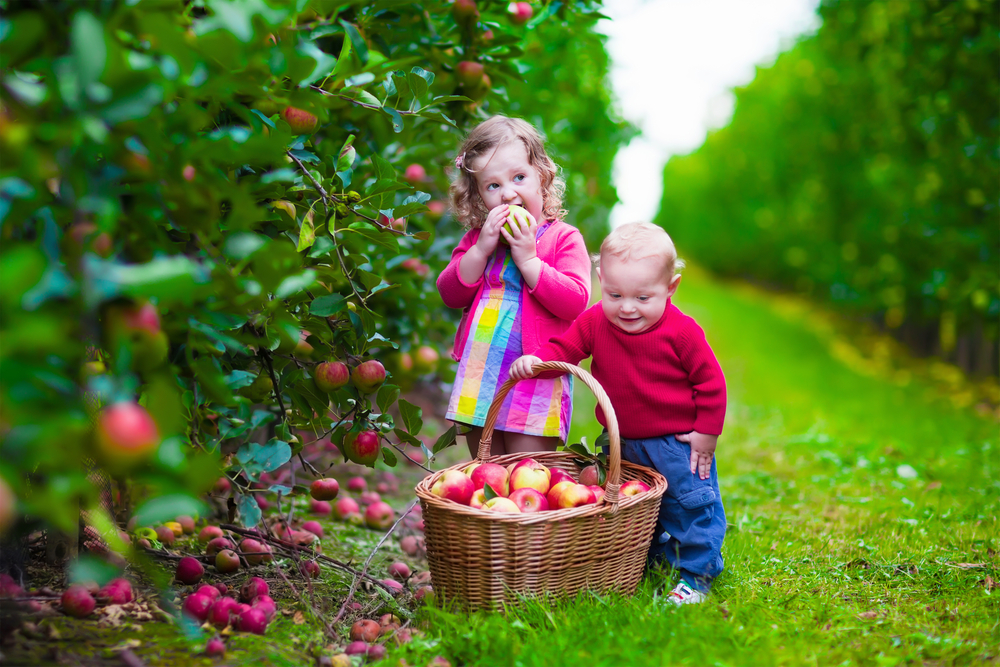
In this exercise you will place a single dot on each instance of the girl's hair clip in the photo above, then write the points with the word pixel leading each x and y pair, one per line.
pixel 459 161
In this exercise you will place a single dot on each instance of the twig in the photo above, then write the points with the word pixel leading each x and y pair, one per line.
pixel 364 568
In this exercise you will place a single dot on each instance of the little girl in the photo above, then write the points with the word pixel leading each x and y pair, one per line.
pixel 518 286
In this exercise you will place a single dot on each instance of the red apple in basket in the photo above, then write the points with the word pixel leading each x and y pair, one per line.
pixel 469 469
pixel 478 498
pixel 591 475
pixel 576 495
pixel 529 500
pixel 454 485
pixel 598 491
pixel 633 487
pixel 531 475
pixel 501 504
pixel 560 476
pixel 492 474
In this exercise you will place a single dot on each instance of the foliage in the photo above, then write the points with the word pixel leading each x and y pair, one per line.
pixel 150 158
pixel 862 168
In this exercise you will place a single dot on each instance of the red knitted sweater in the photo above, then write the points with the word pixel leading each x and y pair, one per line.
pixel 661 381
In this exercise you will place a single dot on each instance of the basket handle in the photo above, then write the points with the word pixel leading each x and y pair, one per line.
pixel 613 482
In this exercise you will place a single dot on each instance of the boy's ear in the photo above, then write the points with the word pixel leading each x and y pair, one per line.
pixel 674 284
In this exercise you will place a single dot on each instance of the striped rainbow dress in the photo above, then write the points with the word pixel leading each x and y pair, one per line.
pixel 534 407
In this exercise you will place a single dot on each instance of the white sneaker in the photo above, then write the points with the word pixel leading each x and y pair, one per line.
pixel 684 594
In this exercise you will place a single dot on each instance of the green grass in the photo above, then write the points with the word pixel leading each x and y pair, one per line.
pixel 862 512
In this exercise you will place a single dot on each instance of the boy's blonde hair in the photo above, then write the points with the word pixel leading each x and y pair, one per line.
pixel 483 140
pixel 639 240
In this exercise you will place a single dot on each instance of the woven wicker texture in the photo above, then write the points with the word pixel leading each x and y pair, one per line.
pixel 488 559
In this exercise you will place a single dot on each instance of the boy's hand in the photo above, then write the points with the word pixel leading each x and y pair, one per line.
pixel 702 451
pixel 521 369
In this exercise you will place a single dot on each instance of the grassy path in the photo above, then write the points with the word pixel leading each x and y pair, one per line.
pixel 863 523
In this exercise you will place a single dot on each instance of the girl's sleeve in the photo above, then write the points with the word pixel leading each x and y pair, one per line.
pixel 454 292
pixel 563 286
pixel 707 380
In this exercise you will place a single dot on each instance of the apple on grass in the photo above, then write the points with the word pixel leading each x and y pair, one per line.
pixel 380 515
pixel 529 500
pixel 454 485
pixel 492 474
pixel 346 507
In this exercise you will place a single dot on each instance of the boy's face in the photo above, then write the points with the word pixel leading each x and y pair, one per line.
pixel 505 176
pixel 634 295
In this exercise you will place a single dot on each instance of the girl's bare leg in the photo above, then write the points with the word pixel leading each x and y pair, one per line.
pixel 520 443
pixel 497 447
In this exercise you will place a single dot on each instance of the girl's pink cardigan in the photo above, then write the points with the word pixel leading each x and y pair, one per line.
pixel 562 292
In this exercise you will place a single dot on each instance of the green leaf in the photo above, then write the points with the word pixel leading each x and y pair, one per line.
pixel 249 510
pixel 387 395
pixel 243 244
pixel 307 233
pixel 389 457
pixel 327 305
pixel 360 46
pixel 446 439
pixel 256 458
pixel 167 507
pixel 418 84
pixel 377 236
pixel 406 437
pixel 577 448
pixel 489 493
pixel 412 416
pixel 88 47
pixel 295 284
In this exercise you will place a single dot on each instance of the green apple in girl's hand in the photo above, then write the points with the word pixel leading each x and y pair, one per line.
pixel 520 213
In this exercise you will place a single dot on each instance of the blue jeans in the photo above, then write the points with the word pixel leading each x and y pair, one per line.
pixel 692 522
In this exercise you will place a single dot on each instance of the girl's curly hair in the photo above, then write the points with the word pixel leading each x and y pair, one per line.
pixel 487 137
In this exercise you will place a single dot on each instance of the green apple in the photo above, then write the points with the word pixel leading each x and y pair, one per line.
pixel 515 214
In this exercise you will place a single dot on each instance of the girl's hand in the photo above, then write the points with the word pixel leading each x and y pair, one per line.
pixel 521 369
pixel 702 451
pixel 489 235
pixel 521 237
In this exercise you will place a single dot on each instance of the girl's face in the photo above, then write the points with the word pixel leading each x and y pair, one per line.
pixel 634 295
pixel 504 176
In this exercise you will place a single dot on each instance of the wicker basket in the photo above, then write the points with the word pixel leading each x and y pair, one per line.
pixel 488 559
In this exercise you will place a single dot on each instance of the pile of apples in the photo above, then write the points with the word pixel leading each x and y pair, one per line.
pixel 525 487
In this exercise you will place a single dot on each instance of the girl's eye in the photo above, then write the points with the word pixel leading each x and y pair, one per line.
pixel 492 186
pixel 643 298
pixel 614 295
pixel 519 178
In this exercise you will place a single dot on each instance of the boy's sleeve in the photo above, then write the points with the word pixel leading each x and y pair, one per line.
pixel 454 292
pixel 707 380
pixel 563 286
pixel 573 346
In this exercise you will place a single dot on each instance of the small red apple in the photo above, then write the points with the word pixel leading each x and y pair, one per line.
pixel 227 561
pixel 117 591
pixel 320 507
pixel 77 601
pixel 197 606
pixel 330 376
pixel 189 570
pixel 415 173
pixel 253 587
pixel 326 488
pixel 454 485
pixel 357 484
pixel 165 535
pixel 301 121
pixel 368 376
pixel 465 12
pixel 218 615
pixel 209 591
pixel 590 475
pixel 469 74
pixel 253 551
pixel 492 474
pixel 313 527
pixel 380 515
pixel 363 447
pixel 346 507
pixel 365 630
pixel 425 359
pixel 399 570
pixel 633 487
pixel 215 648
pixel 217 544
pixel 126 435
pixel 310 568
pixel 519 12
pixel 529 500
pixel 501 504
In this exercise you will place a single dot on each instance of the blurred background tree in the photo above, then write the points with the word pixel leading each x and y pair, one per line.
pixel 862 169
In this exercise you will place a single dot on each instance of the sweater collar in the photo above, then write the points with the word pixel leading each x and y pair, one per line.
pixel 659 322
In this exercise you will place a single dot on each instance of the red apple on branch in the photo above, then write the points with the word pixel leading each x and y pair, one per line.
pixel 330 376
pixel 125 436
pixel 136 327
pixel 469 74
pixel 415 173
pixel 362 447
pixel 519 12
pixel 465 12
pixel 300 120
pixel 326 488
pixel 368 376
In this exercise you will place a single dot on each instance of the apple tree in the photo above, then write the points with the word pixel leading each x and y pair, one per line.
pixel 202 201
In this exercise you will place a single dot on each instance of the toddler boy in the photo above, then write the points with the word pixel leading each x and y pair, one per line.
pixel 668 392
